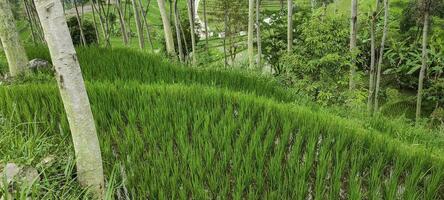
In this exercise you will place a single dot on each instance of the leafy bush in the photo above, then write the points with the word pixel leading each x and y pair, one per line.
pixel 319 64
pixel 88 31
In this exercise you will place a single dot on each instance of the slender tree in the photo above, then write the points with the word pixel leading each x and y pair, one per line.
pixel 425 33
pixel 258 33
pixel 381 55
pixel 353 33
pixel 95 24
pixel 225 36
pixel 371 90
pixel 79 23
pixel 74 96
pixel 190 6
pixel 206 25
pixel 138 24
pixel 251 33
pixel 15 53
pixel 122 22
pixel 178 36
pixel 145 21
pixel 290 27
pixel 166 28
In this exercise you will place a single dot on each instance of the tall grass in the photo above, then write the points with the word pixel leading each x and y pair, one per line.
pixel 177 141
pixel 104 64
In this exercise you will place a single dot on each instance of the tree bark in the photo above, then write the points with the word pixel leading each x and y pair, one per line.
pixel 251 33
pixel 371 89
pixel 95 23
pixel 206 25
pixel 166 28
pixel 353 33
pixel 148 28
pixel 74 96
pixel 190 6
pixel 15 53
pixel 79 22
pixel 290 27
pixel 178 36
pixel 138 24
pixel 425 33
pixel 225 38
pixel 122 22
pixel 258 34
pixel 29 19
pixel 381 55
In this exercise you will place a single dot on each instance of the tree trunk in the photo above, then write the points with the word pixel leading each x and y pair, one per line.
pixel 74 96
pixel 251 33
pixel 29 19
pixel 15 53
pixel 95 24
pixel 225 38
pixel 290 27
pixel 122 22
pixel 206 25
pixel 371 88
pixel 258 32
pixel 190 6
pixel 353 32
pixel 381 55
pixel 178 36
pixel 166 28
pixel 138 24
pixel 144 13
pixel 425 33
pixel 79 22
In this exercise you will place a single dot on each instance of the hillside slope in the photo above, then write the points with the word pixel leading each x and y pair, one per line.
pixel 176 141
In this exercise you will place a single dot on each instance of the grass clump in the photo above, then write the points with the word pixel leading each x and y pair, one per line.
pixel 176 141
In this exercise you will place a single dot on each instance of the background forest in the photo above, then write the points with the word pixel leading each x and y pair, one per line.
pixel 223 99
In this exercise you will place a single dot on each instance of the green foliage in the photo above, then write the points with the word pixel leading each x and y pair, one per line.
pixel 108 65
pixel 88 31
pixel 319 64
pixel 197 142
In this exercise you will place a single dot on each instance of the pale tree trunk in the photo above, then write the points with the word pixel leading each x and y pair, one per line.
pixel 251 33
pixel 166 28
pixel 74 96
pixel 15 53
pixel 206 25
pixel 190 6
pixel 95 24
pixel 225 38
pixel 148 34
pixel 425 33
pixel 290 27
pixel 178 36
pixel 371 87
pixel 122 22
pixel 79 23
pixel 381 55
pixel 258 33
pixel 138 24
pixel 31 24
pixel 353 33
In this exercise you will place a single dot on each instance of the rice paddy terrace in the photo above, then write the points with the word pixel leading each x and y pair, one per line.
pixel 172 132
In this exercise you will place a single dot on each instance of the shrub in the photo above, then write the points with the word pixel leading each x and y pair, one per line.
pixel 88 31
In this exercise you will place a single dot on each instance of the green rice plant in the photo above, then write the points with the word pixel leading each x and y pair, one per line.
pixel 122 65
pixel 192 141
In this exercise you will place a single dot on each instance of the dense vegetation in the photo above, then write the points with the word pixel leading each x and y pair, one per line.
pixel 316 113
pixel 196 142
